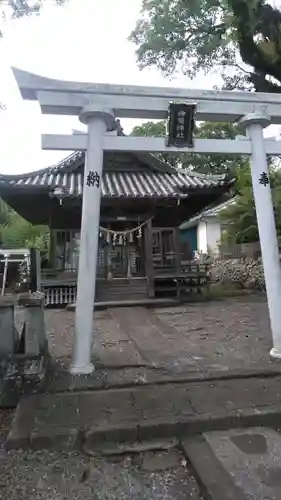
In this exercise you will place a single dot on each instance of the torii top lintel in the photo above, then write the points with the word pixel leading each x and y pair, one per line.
pixel 131 101
pixel 29 84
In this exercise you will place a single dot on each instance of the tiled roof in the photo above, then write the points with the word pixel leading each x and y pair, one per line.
pixel 159 180
pixel 212 211
pixel 115 184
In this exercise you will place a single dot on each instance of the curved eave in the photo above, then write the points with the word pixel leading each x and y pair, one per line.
pixel 130 184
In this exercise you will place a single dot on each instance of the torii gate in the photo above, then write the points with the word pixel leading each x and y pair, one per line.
pixel 97 105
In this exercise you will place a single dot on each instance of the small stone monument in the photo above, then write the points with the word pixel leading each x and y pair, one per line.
pixel 24 350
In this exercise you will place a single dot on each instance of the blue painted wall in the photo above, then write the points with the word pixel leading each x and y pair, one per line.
pixel 190 235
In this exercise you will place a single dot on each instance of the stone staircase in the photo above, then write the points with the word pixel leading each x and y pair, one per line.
pixel 121 289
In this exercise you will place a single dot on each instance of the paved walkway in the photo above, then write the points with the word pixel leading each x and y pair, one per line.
pixel 195 339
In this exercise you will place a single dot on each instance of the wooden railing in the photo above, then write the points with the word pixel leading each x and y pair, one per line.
pixel 190 278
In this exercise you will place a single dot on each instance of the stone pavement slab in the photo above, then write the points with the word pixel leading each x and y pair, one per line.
pixel 138 323
pixel 138 413
pixel 238 464
pixel 227 335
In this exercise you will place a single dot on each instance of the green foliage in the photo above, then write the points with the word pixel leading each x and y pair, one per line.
pixel 240 218
pixel 215 164
pixel 212 35
pixel 16 232
pixel 4 213
pixel 157 129
pixel 150 129
pixel 219 163
pixel 192 35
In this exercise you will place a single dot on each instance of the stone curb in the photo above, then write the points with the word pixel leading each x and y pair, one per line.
pixel 74 383
pixel 20 435
pixel 153 304
pixel 146 304
pixel 213 480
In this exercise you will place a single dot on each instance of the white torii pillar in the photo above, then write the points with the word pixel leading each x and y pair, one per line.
pixel 57 97
pixel 254 124
pixel 97 120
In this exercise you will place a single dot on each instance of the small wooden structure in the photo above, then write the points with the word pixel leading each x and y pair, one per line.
pixel 143 203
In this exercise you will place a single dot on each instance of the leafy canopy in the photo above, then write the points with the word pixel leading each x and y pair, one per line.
pixel 241 41
pixel 16 232
pixel 203 163
pixel 240 218
pixel 194 33
pixel 240 38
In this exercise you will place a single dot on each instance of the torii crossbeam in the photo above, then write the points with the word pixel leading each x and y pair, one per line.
pixel 97 105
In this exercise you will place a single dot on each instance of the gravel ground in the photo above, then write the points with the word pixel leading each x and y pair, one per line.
pixel 44 475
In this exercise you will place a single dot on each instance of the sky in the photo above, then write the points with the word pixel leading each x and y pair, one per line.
pixel 86 40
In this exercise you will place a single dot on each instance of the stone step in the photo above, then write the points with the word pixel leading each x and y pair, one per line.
pixel 117 302
pixel 121 289
pixel 93 418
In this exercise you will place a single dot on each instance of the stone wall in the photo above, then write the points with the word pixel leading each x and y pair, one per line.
pixel 243 273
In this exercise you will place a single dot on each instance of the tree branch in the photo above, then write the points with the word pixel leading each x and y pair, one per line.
pixel 262 85
pixel 242 69
pixel 265 21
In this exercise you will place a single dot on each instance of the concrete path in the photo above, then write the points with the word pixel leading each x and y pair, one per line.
pixel 210 338
pixel 138 346
pixel 68 420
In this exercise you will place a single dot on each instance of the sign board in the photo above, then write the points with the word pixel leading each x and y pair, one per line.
pixel 180 125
